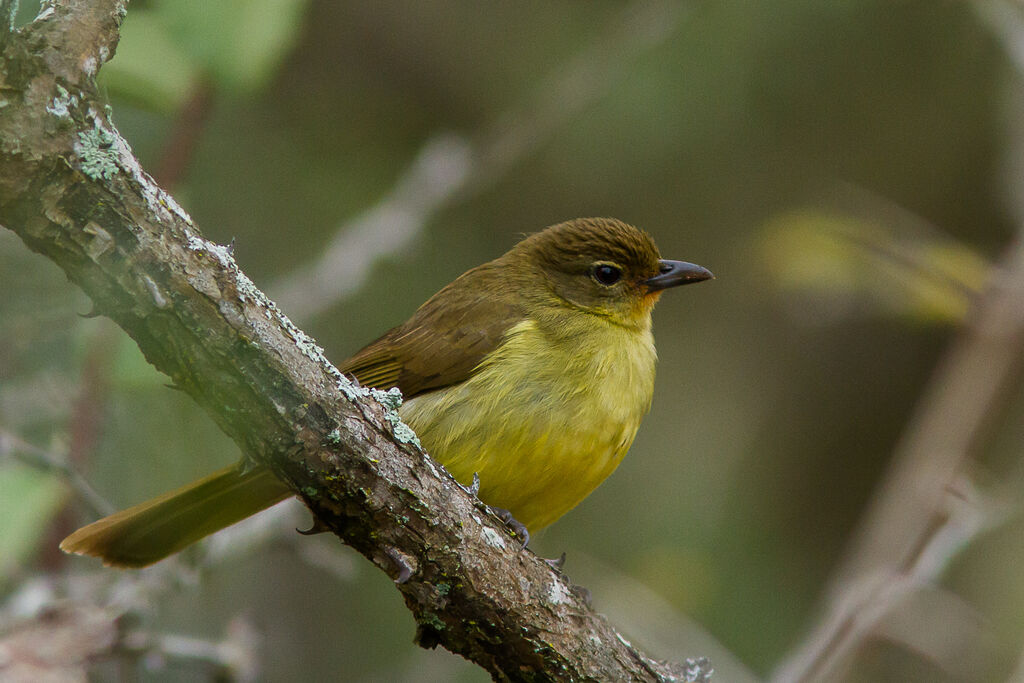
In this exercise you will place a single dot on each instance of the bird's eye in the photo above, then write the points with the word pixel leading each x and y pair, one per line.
pixel 606 274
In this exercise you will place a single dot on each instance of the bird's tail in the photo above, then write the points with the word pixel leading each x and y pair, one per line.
pixel 150 531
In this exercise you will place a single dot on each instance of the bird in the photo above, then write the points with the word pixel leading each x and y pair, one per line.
pixel 531 373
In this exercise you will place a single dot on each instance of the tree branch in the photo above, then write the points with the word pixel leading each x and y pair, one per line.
pixel 72 190
pixel 42 459
pixel 927 509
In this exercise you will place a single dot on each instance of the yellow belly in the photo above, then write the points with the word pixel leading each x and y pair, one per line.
pixel 543 426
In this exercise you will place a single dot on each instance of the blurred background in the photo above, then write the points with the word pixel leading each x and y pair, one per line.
pixel 850 171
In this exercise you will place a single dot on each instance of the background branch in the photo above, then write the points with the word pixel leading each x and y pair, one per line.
pixel 46 460
pixel 927 509
pixel 452 167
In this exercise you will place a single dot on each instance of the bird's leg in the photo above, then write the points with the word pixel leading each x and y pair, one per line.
pixel 517 527
pixel 514 525
pixel 317 527
pixel 520 530
pixel 582 593
pixel 557 563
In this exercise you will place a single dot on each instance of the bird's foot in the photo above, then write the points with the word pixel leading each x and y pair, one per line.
pixel 317 527
pixel 583 594
pixel 556 563
pixel 474 488
pixel 514 525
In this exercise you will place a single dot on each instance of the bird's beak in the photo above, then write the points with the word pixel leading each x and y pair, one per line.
pixel 674 273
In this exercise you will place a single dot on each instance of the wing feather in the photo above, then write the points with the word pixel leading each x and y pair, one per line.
pixel 445 340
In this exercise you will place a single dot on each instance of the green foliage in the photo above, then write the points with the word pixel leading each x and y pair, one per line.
pixel 28 500
pixel 150 66
pixel 846 260
pixel 131 371
pixel 167 47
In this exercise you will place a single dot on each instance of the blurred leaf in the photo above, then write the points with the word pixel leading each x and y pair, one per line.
pixel 167 46
pixel 131 370
pixel 848 262
pixel 28 500
pixel 239 42
pixel 151 67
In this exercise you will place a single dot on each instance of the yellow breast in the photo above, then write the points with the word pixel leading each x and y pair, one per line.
pixel 547 416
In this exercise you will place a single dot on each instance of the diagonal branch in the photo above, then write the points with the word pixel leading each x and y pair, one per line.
pixel 72 190
pixel 47 461
pixel 926 511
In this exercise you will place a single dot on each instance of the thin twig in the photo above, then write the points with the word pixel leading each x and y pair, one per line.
pixel 1006 21
pixel 180 145
pixel 452 168
pixel 911 531
pixel 236 655
pixel 48 461
pixel 8 12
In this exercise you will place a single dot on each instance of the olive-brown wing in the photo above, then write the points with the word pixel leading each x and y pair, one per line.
pixel 442 344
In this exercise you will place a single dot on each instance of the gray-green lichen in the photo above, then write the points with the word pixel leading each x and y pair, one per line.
pixel 698 670
pixel 405 434
pixel 95 150
pixel 391 400
pixel 12 14
pixel 558 594
pixel 46 10
pixel 492 538
pixel 432 620
pixel 158 202
pixel 60 106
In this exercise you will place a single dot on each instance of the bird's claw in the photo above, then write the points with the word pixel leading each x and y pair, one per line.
pixel 517 527
pixel 556 563
pixel 317 527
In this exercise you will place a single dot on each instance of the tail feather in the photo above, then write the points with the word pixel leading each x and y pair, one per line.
pixel 150 531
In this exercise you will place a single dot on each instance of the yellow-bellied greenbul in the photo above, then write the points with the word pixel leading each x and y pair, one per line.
pixel 533 371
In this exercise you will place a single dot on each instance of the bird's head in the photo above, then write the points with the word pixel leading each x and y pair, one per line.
pixel 602 266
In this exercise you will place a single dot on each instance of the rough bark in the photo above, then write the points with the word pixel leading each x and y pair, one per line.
pixel 72 190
